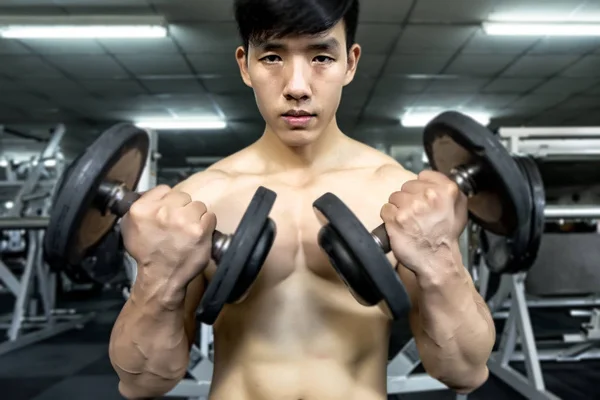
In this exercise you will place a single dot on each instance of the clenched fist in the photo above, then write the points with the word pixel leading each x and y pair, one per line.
pixel 424 221
pixel 170 237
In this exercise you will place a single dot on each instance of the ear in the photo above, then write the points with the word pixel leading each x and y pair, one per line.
pixel 353 58
pixel 242 60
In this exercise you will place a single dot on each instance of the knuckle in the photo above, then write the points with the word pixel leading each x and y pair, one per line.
pixel 452 189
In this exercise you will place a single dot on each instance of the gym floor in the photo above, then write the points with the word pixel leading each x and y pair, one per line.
pixel 75 365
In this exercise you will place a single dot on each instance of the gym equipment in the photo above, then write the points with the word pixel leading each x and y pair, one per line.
pixel 34 317
pixel 99 190
pixel 517 252
pixel 470 155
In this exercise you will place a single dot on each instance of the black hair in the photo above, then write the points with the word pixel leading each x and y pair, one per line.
pixel 260 20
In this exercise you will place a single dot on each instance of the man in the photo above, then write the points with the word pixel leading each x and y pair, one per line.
pixel 299 334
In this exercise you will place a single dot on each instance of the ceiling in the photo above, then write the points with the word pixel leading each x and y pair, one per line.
pixel 419 53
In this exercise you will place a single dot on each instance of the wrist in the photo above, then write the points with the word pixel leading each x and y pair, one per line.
pixel 443 269
pixel 160 294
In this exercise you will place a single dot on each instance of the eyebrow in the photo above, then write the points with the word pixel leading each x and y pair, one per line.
pixel 330 44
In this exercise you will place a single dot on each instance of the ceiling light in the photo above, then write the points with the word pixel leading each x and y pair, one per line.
pixel 541 29
pixel 181 124
pixel 83 27
pixel 83 32
pixel 419 119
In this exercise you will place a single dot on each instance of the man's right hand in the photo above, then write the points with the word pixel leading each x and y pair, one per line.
pixel 170 237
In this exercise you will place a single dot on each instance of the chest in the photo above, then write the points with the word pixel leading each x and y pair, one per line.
pixel 296 249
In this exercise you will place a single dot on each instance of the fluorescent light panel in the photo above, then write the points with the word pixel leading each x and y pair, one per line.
pixel 419 119
pixel 83 27
pixel 181 124
pixel 541 29
pixel 83 32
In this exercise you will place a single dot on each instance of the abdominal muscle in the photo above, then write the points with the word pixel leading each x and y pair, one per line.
pixel 305 339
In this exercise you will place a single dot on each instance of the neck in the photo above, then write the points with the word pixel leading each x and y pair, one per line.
pixel 322 153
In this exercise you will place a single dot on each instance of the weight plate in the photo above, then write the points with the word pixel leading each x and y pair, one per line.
pixel 255 262
pixel 502 203
pixel 369 259
pixel 76 226
pixel 240 251
pixel 518 252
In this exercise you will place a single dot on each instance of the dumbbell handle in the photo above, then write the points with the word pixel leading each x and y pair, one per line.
pixel 117 199
pixel 464 176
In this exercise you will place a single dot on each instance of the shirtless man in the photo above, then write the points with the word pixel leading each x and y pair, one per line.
pixel 299 333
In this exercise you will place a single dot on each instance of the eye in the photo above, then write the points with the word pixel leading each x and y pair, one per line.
pixel 323 59
pixel 271 59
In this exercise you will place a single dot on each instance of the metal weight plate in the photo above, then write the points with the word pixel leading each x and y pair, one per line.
pixel 239 255
pixel 102 265
pixel 502 203
pixel 358 259
pixel 517 252
pixel 76 225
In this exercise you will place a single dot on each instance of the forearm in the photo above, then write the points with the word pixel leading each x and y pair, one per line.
pixel 149 347
pixel 458 331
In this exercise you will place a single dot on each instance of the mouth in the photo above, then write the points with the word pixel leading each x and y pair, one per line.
pixel 298 118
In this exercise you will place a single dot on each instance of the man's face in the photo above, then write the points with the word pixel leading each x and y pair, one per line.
pixel 298 82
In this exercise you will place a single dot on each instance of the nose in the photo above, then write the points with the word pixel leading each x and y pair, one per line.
pixel 298 81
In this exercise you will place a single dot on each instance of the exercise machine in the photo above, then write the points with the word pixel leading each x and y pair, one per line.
pixel 34 317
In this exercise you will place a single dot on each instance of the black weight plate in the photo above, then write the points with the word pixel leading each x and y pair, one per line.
pixel 370 257
pixel 502 203
pixel 517 252
pixel 538 220
pixel 348 267
pixel 102 264
pixel 76 225
pixel 239 252
pixel 255 262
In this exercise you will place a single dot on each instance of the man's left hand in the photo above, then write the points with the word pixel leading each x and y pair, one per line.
pixel 424 221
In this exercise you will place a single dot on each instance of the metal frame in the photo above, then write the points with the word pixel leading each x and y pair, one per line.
pixel 29 322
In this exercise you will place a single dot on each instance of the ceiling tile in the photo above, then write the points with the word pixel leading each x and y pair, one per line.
pixel 25 101
pixel 9 86
pixel 484 44
pixel 377 38
pixel 566 45
pixel 490 101
pixel 458 85
pixel 231 85
pixel 238 106
pixel 588 66
pixel 27 66
pixel 221 38
pixel 173 85
pixel 205 10
pixel 391 86
pixel 370 65
pixel 536 8
pixel 115 87
pixel 511 85
pixel 581 102
pixel 433 38
pixel 538 101
pixel 155 46
pixel 155 65
pixel 12 47
pixel 479 65
pixel 418 64
pixel 458 10
pixel 388 11
pixel 90 66
pixel 567 85
pixel 389 107
pixel 215 65
pixel 54 87
pixel 442 100
pixel 359 87
pixel 63 46
pixel 539 65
